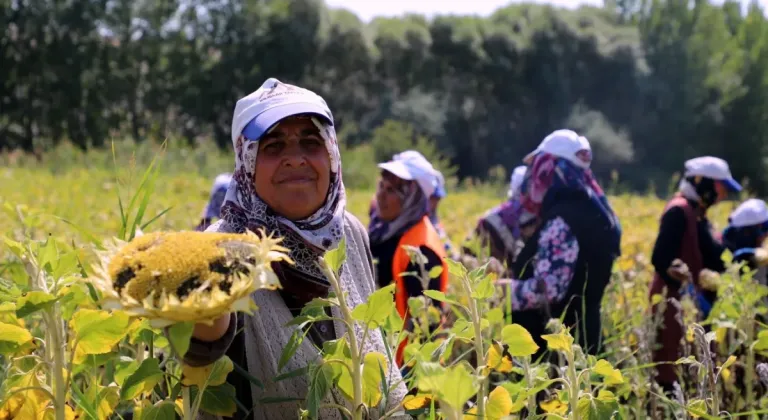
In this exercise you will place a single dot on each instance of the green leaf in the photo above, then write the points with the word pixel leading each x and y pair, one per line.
pixel 211 375
pixel 142 380
pixel 12 337
pixel 72 299
pixel 484 289
pixel 124 369
pixel 559 342
pixel 458 386
pixel 429 376
pixel 440 297
pixel 32 302
pixel 66 264
pixel 16 247
pixel 162 410
pixel 378 307
pixel 463 329
pixel 179 335
pixel 762 341
pixel 217 400
pixel 335 258
pixel 290 348
pixel 495 316
pixel 98 331
pixel 84 403
pixel 47 255
pixel 519 341
pixel 612 376
pixel 320 382
pixel 697 408
pixel 456 268
pixel 435 271
pixel 292 374
pixel 601 408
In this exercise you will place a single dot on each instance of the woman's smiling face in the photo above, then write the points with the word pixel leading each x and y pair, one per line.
pixel 293 168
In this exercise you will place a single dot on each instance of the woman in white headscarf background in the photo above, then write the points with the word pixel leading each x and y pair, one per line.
pixel 288 181
pixel 212 210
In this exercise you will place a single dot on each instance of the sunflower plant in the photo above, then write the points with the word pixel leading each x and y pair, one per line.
pixel 102 334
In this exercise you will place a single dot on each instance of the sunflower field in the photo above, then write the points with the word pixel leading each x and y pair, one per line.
pixel 74 344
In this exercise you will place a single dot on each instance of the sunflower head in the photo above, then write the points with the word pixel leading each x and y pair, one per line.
pixel 173 277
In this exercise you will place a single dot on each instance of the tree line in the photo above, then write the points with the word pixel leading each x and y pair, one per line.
pixel 649 82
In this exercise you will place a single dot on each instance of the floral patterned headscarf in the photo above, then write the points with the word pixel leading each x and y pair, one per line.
pixel 307 238
pixel 549 174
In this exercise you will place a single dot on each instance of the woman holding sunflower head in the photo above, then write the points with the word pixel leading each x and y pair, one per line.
pixel 288 181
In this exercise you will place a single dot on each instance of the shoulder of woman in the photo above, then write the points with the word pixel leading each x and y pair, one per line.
pixel 354 225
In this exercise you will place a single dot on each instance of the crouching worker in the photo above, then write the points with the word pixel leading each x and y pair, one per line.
pixel 685 234
pixel 400 219
pixel 747 230
pixel 212 210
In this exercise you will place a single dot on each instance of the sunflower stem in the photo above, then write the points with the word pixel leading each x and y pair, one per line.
pixel 187 403
pixel 356 366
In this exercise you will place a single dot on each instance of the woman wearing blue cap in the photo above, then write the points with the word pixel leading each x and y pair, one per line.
pixel 288 180
pixel 684 248
pixel 213 208
pixel 747 230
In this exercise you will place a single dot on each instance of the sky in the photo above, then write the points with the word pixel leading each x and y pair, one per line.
pixel 367 9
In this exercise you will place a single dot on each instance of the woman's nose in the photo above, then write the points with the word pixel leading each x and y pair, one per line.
pixel 294 155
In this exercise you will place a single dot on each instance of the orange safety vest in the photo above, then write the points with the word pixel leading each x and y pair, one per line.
pixel 420 234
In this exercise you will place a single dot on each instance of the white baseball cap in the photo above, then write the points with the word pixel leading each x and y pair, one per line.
pixel 516 179
pixel 750 213
pixel 256 113
pixel 566 144
pixel 413 167
pixel 440 191
pixel 713 168
pixel 222 181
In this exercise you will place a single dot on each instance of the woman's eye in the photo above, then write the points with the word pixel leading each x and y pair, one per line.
pixel 312 143
pixel 272 147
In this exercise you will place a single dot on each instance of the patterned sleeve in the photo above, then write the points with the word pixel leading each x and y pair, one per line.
pixel 555 263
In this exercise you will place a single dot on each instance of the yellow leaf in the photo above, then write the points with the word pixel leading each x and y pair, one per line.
pixel 109 398
pixel 720 334
pixel 554 406
pixel 731 360
pixel 689 335
pixel 215 374
pixel 612 376
pixel 519 341
pixel 497 360
pixel 697 408
pixel 559 342
pixel 373 365
pixel 726 374
pixel 418 401
pixel 499 404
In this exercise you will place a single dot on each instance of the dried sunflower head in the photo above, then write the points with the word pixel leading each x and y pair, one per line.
pixel 171 277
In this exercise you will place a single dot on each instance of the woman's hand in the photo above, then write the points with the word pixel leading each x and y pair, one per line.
pixel 204 332
pixel 761 257
pixel 678 270
pixel 709 280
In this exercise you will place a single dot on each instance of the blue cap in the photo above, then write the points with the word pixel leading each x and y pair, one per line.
pixel 256 113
